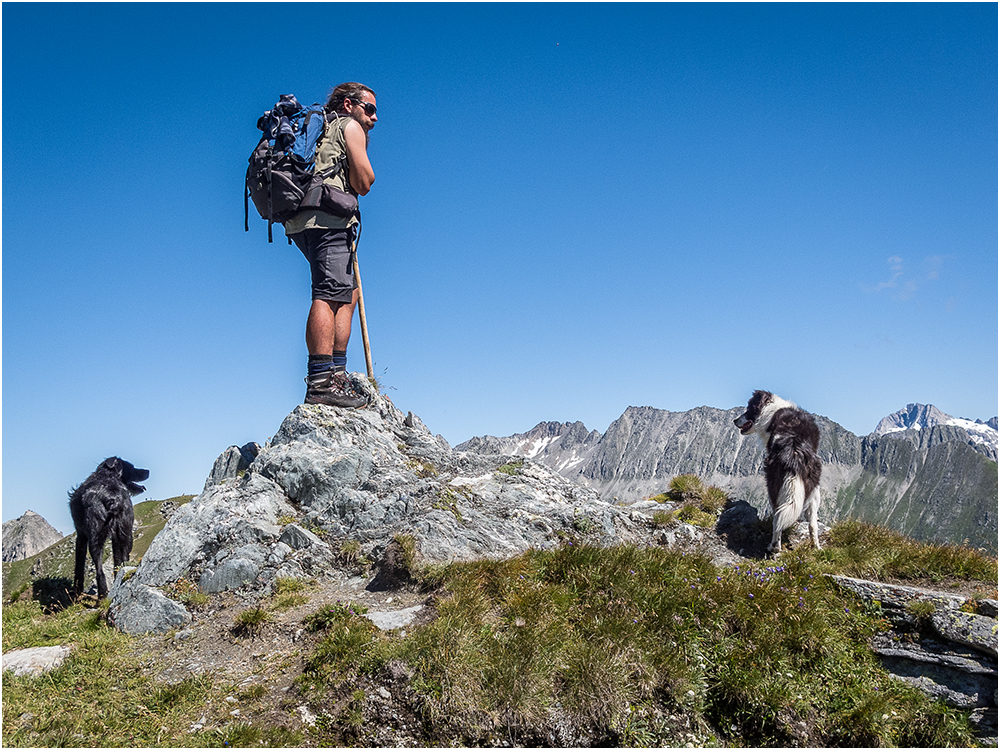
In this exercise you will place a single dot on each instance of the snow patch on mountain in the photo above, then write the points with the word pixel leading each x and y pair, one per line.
pixel 922 417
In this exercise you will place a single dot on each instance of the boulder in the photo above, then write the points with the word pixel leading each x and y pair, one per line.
pixel 951 655
pixel 143 609
pixel 968 629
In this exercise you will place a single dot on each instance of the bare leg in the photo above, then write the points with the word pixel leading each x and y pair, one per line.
pixel 328 327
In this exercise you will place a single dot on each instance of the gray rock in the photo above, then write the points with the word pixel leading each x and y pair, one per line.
pixel 232 464
pixel 737 514
pixel 896 596
pixel 220 519
pixel 135 608
pixel 35 661
pixel 295 537
pixel 366 475
pixel 398 618
pixel 278 553
pixel 988 608
pixel 954 660
pixel 947 671
pixel 944 682
pixel 230 575
pixel 971 630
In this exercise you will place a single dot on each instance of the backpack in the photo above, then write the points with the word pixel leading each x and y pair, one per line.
pixel 280 177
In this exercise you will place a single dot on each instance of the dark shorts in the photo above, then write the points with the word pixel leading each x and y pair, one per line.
pixel 329 254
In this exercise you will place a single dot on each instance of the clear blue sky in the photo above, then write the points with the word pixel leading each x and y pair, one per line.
pixel 577 208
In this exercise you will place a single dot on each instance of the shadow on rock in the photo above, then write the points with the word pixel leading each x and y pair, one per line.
pixel 745 533
pixel 393 571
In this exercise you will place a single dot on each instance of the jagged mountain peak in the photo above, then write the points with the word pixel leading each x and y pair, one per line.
pixel 913 417
pixel 27 535
pixel 925 417
pixel 564 445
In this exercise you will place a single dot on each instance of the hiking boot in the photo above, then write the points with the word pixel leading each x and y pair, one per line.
pixel 333 389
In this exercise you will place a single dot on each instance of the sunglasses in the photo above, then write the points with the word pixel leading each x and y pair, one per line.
pixel 369 108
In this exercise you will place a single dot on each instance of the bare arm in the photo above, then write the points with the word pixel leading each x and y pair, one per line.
pixel 362 174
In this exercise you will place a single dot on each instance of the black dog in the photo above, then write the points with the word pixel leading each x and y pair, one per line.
pixel 102 507
pixel 791 465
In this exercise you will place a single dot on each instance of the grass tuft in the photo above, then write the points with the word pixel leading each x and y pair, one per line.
pixel 869 551
pixel 699 505
pixel 512 468
pixel 251 621
pixel 290 592
pixel 187 593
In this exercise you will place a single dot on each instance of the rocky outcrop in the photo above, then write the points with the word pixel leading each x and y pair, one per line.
pixel 232 464
pixel 934 483
pixel 948 653
pixel 333 476
pixel 27 536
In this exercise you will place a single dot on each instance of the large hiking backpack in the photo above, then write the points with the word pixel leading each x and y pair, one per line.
pixel 281 179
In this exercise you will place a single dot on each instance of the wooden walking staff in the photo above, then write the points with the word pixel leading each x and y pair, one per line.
pixel 361 318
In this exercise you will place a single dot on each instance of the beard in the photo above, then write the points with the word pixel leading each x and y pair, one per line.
pixel 364 127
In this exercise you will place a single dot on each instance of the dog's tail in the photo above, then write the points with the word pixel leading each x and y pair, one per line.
pixel 791 500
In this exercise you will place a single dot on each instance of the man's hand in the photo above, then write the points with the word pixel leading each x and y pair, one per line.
pixel 362 174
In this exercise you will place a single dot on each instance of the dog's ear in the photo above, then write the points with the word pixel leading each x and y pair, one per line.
pixel 113 464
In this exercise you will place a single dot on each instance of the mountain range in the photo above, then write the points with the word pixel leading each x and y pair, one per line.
pixel 922 472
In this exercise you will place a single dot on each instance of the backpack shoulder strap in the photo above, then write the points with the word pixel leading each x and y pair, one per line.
pixel 340 165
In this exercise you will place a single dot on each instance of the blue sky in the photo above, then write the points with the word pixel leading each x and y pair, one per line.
pixel 577 208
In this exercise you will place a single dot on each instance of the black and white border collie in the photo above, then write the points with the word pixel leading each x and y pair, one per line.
pixel 791 466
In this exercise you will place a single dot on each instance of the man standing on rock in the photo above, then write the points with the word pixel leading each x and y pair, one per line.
pixel 329 242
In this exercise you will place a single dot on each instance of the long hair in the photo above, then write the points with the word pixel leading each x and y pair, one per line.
pixel 349 90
